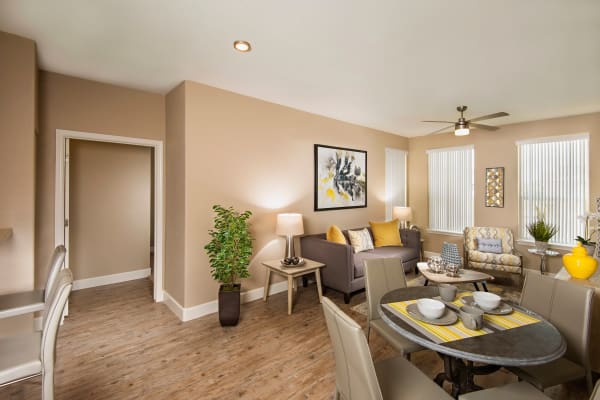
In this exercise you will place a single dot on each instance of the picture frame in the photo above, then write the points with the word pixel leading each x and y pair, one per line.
pixel 340 178
pixel 494 187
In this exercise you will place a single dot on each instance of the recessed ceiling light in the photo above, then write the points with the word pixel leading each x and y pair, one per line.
pixel 242 45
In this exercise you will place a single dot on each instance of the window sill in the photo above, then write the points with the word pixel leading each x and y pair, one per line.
pixel 446 233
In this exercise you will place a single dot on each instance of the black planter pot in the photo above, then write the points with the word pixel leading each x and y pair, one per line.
pixel 229 305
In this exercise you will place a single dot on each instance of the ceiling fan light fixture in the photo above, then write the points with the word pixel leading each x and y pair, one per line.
pixel 461 131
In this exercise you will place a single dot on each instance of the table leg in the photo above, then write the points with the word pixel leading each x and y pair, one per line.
pixel 484 286
pixel 319 290
pixel 476 286
pixel 542 264
pixel 426 282
pixel 290 291
pixel 267 284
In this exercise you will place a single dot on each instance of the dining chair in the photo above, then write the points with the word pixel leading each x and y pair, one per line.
pixel 537 293
pixel 19 303
pixel 570 312
pixel 31 354
pixel 517 391
pixel 358 378
pixel 381 276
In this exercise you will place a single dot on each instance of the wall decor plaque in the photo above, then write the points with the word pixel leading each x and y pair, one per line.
pixel 494 187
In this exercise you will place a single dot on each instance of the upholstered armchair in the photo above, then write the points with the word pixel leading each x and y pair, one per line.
pixel 491 249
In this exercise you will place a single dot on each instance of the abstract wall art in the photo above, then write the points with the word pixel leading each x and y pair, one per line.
pixel 494 187
pixel 340 178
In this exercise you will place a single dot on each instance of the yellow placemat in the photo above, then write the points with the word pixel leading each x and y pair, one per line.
pixel 457 331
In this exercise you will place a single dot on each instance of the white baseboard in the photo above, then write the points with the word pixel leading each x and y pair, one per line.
pixel 110 279
pixel 189 313
pixel 428 254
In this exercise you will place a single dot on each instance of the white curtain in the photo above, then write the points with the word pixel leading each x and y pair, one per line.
pixel 395 180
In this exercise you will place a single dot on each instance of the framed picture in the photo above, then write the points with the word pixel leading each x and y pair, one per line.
pixel 340 178
pixel 494 187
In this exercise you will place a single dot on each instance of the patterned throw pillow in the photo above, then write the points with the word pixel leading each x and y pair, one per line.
pixel 334 234
pixel 485 245
pixel 361 240
pixel 386 233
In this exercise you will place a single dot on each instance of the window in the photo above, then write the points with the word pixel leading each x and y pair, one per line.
pixel 450 189
pixel 554 177
pixel 395 180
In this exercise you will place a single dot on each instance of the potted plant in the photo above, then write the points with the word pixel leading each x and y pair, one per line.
pixel 591 228
pixel 541 231
pixel 229 252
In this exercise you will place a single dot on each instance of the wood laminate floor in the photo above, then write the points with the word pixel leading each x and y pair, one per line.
pixel 118 344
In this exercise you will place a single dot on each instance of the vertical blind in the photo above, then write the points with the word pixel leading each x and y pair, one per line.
pixel 554 178
pixel 395 180
pixel 450 189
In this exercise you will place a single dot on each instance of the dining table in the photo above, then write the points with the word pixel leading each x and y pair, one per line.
pixel 520 338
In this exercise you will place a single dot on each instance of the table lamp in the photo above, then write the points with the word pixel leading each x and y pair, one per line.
pixel 289 225
pixel 404 215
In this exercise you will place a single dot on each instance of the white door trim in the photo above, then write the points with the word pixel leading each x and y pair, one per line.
pixel 59 194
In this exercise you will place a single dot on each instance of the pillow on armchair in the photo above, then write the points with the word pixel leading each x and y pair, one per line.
pixel 486 245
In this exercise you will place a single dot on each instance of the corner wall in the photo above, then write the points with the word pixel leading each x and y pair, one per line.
pixel 496 149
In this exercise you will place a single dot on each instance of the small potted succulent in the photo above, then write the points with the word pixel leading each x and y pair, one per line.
pixel 229 252
pixel 541 231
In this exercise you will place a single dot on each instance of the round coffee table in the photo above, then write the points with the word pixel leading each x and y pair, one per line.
pixel 464 276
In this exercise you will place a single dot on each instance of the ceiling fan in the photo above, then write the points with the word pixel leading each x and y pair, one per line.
pixel 462 126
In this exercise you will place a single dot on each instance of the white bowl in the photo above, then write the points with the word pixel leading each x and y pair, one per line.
pixel 431 309
pixel 487 301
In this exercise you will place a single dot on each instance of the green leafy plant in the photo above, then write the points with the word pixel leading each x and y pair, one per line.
pixel 540 229
pixel 587 242
pixel 230 247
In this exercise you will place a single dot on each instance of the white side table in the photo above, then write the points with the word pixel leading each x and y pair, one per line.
pixel 291 273
pixel 543 254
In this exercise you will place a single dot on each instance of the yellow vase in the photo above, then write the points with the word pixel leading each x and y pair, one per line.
pixel 579 264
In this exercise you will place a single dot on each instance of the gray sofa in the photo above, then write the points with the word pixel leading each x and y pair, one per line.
pixel 344 269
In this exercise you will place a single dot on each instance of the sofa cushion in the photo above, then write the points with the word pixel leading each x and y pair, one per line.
pixel 334 234
pixel 486 245
pixel 386 233
pixel 404 253
pixel 361 240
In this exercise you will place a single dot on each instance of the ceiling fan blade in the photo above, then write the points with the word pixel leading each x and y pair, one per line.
pixel 486 127
pixel 445 122
pixel 490 116
pixel 440 130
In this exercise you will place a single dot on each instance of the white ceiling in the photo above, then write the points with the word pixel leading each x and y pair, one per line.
pixel 384 64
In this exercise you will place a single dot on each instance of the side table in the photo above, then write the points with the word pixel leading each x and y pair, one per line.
pixel 291 273
pixel 543 254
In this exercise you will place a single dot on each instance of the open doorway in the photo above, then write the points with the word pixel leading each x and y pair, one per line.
pixel 117 204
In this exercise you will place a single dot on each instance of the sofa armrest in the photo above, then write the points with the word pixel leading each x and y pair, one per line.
pixel 338 259
pixel 411 238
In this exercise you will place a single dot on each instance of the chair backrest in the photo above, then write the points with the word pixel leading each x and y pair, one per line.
pixel 596 393
pixel 56 261
pixel 537 293
pixel 381 276
pixel 571 314
pixel 354 370
pixel 471 233
pixel 53 314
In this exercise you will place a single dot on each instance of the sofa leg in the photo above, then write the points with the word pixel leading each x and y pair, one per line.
pixel 346 298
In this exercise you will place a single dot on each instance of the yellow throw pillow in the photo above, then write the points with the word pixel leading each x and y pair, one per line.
pixel 334 234
pixel 386 233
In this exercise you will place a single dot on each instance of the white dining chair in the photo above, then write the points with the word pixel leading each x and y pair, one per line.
pixel 383 275
pixel 358 378
pixel 20 303
pixel 517 391
pixel 32 354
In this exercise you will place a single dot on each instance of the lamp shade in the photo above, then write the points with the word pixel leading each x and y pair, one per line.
pixel 402 213
pixel 289 224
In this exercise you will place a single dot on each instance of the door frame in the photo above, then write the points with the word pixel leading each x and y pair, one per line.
pixel 59 194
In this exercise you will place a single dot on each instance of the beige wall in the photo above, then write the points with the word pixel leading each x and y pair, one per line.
pixel 496 149
pixel 109 208
pixel 256 155
pixel 175 195
pixel 17 169
pixel 77 104
pixel 17 160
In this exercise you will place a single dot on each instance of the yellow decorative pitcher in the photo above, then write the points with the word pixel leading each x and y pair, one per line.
pixel 579 264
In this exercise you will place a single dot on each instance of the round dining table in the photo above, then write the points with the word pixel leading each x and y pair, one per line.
pixel 532 344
